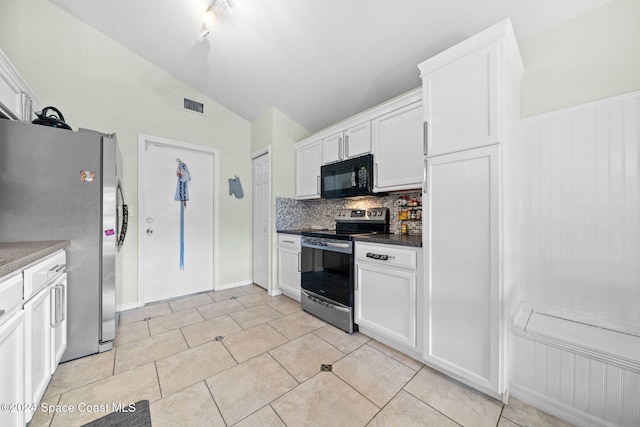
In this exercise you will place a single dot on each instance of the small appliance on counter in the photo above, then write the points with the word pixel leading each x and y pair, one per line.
pixel 327 277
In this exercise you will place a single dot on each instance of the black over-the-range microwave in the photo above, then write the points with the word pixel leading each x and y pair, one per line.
pixel 348 178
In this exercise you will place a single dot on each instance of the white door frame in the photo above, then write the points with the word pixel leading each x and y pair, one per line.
pixel 142 142
pixel 261 152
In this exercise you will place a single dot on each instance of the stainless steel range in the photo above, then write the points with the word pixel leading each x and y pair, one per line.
pixel 327 265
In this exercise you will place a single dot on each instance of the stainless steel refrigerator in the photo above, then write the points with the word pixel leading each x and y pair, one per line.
pixel 57 184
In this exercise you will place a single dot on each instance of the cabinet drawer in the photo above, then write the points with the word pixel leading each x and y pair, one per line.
pixel 10 295
pixel 387 255
pixel 43 272
pixel 289 240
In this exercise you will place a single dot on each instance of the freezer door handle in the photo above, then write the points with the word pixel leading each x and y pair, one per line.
pixel 124 220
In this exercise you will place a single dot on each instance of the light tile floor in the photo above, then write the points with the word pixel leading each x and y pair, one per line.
pixel 242 358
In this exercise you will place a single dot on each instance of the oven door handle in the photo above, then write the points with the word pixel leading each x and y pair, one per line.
pixel 334 306
pixel 338 245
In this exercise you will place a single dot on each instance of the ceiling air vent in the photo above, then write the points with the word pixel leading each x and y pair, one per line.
pixel 195 106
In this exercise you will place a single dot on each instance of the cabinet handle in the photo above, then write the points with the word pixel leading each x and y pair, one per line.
pixel 424 176
pixel 318 184
pixel 63 298
pixel 346 147
pixel 299 262
pixel 355 279
pixel 289 241
pixel 375 175
pixel 425 137
pixel 340 149
pixel 380 257
pixel 53 294
pixel 58 305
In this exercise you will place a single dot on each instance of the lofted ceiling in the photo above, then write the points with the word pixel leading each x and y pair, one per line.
pixel 316 61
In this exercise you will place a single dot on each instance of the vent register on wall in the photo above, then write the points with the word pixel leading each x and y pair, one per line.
pixel 194 106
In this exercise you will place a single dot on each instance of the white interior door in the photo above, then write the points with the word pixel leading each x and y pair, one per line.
pixel 162 274
pixel 261 221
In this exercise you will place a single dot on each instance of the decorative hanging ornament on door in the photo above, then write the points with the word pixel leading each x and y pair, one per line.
pixel 182 195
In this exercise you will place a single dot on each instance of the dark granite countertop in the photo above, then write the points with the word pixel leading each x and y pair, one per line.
pixel 299 232
pixel 17 255
pixel 387 239
pixel 391 239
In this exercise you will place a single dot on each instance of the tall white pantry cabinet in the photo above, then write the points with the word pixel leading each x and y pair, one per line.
pixel 471 98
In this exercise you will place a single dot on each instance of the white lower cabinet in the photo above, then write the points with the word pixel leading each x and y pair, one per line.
pixel 33 335
pixel 462 257
pixel 37 349
pixel 12 369
pixel 386 300
pixel 289 253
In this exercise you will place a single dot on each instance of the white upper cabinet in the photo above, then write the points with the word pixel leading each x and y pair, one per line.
pixel 357 140
pixel 308 162
pixel 16 100
pixel 466 91
pixel 392 131
pixel 353 142
pixel 332 148
pixel 398 149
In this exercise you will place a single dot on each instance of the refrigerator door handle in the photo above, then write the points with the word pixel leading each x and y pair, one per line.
pixel 125 218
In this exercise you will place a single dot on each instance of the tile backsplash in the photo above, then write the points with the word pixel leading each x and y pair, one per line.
pixel 292 214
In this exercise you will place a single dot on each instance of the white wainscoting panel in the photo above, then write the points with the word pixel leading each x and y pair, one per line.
pixel 581 389
pixel 573 236
pixel 576 197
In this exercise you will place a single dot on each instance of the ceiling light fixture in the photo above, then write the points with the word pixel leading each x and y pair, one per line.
pixel 204 32
pixel 210 15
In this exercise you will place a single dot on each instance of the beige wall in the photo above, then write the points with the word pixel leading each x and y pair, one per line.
pixel 98 84
pixel 277 131
pixel 591 57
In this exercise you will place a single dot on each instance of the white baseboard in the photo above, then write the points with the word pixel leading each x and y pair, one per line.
pixel 131 305
pixel 275 292
pixel 126 306
pixel 232 285
pixel 556 408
